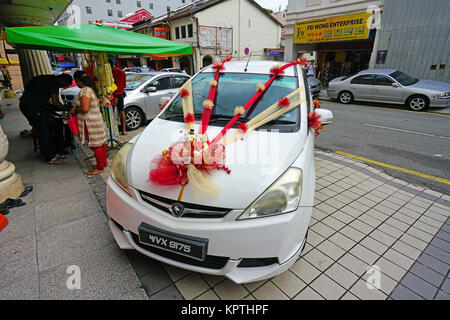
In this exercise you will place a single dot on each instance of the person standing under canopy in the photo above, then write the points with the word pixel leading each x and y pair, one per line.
pixel 90 120
pixel 34 105
pixel 120 79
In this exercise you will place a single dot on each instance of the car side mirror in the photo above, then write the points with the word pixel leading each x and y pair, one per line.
pixel 395 85
pixel 326 116
pixel 149 89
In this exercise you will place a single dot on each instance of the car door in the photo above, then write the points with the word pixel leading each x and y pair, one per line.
pixel 362 87
pixel 387 90
pixel 163 87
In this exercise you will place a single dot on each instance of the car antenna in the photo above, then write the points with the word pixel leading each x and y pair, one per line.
pixel 247 62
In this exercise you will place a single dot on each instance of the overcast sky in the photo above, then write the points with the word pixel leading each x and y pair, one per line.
pixel 273 4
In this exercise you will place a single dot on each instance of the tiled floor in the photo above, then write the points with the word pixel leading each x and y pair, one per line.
pixel 361 218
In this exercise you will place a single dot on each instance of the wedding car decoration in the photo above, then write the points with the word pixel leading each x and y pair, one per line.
pixel 194 158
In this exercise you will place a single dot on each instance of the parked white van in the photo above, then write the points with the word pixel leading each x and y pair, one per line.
pixel 256 226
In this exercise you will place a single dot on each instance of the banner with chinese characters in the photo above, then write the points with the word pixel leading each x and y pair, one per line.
pixel 348 27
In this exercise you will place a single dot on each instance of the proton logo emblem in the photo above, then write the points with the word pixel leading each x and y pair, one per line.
pixel 176 209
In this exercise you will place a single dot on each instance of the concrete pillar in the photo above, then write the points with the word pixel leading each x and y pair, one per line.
pixel 373 57
pixel 33 63
pixel 11 185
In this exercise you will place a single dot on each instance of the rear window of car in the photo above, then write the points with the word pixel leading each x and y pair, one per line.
pixel 235 89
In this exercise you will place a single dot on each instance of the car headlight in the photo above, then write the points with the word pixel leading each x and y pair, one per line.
pixel 282 196
pixel 119 167
pixel 443 95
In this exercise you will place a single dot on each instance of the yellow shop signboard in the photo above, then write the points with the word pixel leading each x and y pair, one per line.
pixel 348 27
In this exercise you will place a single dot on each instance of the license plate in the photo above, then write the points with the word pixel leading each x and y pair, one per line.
pixel 188 246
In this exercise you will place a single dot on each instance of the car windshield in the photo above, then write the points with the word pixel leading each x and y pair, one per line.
pixel 235 89
pixel 135 80
pixel 403 78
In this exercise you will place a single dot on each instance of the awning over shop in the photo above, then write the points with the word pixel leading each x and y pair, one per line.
pixel 4 62
pixel 93 38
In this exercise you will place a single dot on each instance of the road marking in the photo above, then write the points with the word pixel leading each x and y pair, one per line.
pixel 396 109
pixel 422 175
pixel 407 131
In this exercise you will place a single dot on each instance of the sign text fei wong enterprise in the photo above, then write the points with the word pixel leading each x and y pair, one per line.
pixel 348 27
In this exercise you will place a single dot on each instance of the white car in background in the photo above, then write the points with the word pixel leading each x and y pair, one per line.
pixel 143 94
pixel 257 227
pixel 390 86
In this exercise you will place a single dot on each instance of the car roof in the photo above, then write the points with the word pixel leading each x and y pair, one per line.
pixel 383 71
pixel 157 73
pixel 261 67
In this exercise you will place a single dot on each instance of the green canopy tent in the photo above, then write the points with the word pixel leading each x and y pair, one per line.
pixel 92 38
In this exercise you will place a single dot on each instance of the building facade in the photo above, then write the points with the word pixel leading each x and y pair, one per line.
pixel 86 12
pixel 339 35
pixel 217 28
pixel 414 37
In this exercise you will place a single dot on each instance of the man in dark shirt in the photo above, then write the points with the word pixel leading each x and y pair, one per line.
pixel 35 106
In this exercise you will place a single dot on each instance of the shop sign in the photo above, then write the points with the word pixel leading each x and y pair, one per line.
pixel 348 27
pixel 381 56
pixel 161 33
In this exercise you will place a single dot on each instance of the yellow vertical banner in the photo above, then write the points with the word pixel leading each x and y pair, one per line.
pixel 348 27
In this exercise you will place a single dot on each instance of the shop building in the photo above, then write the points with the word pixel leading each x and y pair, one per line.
pixel 414 37
pixel 339 35
pixel 87 12
pixel 216 29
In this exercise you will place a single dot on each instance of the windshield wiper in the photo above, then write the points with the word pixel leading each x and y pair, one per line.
pixel 279 121
pixel 223 117
pixel 173 116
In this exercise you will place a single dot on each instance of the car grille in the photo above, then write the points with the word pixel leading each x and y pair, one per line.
pixel 190 210
pixel 210 262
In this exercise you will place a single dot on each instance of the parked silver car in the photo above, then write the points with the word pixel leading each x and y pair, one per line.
pixel 143 94
pixel 390 86
pixel 144 91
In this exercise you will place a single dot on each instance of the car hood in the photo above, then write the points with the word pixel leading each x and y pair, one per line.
pixel 432 85
pixel 253 167
pixel 313 81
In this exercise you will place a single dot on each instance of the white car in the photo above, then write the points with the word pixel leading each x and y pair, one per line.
pixel 257 226
pixel 143 93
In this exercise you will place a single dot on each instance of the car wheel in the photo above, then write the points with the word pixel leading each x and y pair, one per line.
pixel 134 118
pixel 345 97
pixel 418 103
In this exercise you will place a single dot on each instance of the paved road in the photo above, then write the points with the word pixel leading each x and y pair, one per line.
pixel 418 141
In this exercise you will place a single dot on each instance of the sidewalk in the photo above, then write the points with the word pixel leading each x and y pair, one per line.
pixel 61 225
pixel 362 218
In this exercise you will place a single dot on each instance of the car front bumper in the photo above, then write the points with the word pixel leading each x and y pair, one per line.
pixel 281 237
pixel 333 94
pixel 439 103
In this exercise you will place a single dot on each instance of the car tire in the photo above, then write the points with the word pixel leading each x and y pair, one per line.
pixel 418 103
pixel 134 118
pixel 345 97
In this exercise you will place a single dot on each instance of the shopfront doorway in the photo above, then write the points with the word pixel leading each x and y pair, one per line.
pixel 342 59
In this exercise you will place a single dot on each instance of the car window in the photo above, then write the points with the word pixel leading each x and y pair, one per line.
pixel 403 78
pixel 235 89
pixel 364 79
pixel 383 81
pixel 161 83
pixel 178 81
pixel 135 80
